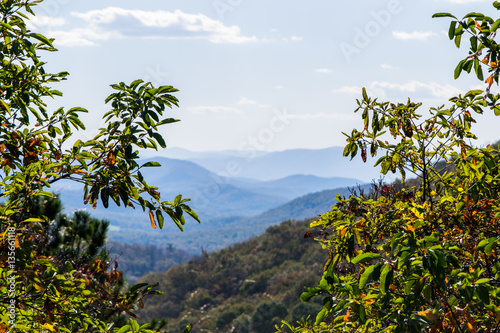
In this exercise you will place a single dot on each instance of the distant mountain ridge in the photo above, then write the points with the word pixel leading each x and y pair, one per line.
pixel 222 202
pixel 217 233
pixel 327 162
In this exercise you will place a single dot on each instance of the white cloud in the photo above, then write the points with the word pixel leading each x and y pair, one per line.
pixel 114 22
pixel 296 39
pixel 351 90
pixel 415 35
pixel 278 87
pixel 413 89
pixel 324 70
pixel 82 36
pixel 387 66
pixel 214 109
pixel 431 89
pixel 36 22
pixel 246 101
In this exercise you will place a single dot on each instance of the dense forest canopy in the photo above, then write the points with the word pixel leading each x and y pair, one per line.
pixel 44 289
pixel 423 258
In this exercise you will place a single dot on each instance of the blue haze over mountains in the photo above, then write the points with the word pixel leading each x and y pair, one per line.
pixel 266 189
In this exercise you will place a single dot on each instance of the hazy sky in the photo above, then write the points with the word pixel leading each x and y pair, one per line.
pixel 270 75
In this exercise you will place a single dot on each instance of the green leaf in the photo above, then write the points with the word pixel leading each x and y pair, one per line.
pixel 443 15
pixel 478 69
pixel 497 110
pixel 160 140
pixel 321 315
pixel 367 274
pixel 190 212
pixel 481 281
pixel 458 39
pixel 134 325
pixel 427 292
pixel 167 121
pixel 495 25
pixel 136 287
pixel 365 257
pixel 474 15
pixel 365 95
pixel 451 31
pixel 458 70
pixel 41 38
pixel 151 164
pixel 159 217
pixel 44 193
pixel 362 313
pixel 386 278
pixel 310 293
pixel 124 329
pixel 491 243
pixel 482 244
pixel 6 106
pixel 105 197
pixel 483 294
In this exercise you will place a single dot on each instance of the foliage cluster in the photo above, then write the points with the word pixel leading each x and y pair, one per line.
pixel 42 289
pixel 425 258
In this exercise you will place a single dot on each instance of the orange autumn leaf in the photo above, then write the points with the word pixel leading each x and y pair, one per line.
pixel 486 59
pixel 152 219
pixel 489 80
pixel 80 171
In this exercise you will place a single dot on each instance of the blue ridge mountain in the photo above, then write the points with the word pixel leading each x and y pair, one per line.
pixel 232 208
pixel 327 162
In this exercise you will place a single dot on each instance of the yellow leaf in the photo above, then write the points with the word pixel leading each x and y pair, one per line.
pixel 38 287
pixel 151 217
pixel 428 314
pixel 49 327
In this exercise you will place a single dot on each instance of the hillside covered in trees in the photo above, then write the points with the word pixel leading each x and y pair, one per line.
pixel 247 287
